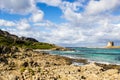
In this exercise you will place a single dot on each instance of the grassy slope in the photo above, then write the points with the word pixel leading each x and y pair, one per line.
pixel 7 41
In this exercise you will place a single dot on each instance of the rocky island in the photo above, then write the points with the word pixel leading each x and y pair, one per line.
pixel 18 61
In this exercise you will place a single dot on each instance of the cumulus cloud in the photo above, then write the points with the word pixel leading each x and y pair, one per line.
pixel 46 24
pixel 6 23
pixel 73 6
pixel 37 16
pixel 23 25
pixel 71 11
pixel 100 6
pixel 15 6
pixel 20 25
pixel 51 2
pixel 71 15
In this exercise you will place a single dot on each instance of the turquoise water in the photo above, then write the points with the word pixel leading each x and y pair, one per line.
pixel 101 55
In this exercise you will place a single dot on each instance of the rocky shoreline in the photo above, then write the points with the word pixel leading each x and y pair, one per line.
pixel 32 65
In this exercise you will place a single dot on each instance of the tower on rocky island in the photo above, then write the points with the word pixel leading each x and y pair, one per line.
pixel 110 44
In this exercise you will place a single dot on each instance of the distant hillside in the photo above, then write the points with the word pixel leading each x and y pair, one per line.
pixel 9 40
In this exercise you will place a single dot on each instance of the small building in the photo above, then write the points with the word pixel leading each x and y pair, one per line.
pixel 110 44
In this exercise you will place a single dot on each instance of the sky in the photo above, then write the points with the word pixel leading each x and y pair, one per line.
pixel 69 23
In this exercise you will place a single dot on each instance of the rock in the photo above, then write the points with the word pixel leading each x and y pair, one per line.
pixel 28 49
pixel 83 77
pixel 25 64
pixel 28 39
pixel 111 72
pixel 4 60
pixel 13 77
pixel 5 49
pixel 51 67
pixel 14 49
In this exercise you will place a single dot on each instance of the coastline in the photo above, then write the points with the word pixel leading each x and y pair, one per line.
pixel 33 65
pixel 81 58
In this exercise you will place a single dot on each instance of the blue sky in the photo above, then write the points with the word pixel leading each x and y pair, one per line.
pixel 51 13
pixel 63 22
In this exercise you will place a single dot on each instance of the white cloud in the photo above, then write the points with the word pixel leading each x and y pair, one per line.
pixel 95 7
pixel 80 28
pixel 46 24
pixel 37 16
pixel 6 23
pixel 20 25
pixel 71 15
pixel 71 11
pixel 15 6
pixel 23 25
pixel 64 34
pixel 51 2
pixel 73 6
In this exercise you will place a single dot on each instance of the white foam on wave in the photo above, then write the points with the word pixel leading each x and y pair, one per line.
pixel 102 62
pixel 77 64
pixel 90 61
pixel 72 56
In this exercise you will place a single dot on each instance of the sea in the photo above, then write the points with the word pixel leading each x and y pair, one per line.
pixel 99 55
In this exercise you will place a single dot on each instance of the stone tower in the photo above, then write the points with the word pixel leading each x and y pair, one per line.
pixel 110 44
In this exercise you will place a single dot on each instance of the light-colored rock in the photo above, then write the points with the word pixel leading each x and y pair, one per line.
pixel 41 66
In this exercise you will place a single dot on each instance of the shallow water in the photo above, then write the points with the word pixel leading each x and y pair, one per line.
pixel 100 55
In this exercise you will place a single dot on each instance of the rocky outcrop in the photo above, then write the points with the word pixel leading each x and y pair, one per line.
pixel 7 39
pixel 16 38
pixel 27 39
pixel 5 49
pixel 6 34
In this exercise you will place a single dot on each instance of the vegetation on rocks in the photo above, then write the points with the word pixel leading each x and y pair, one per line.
pixel 8 40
